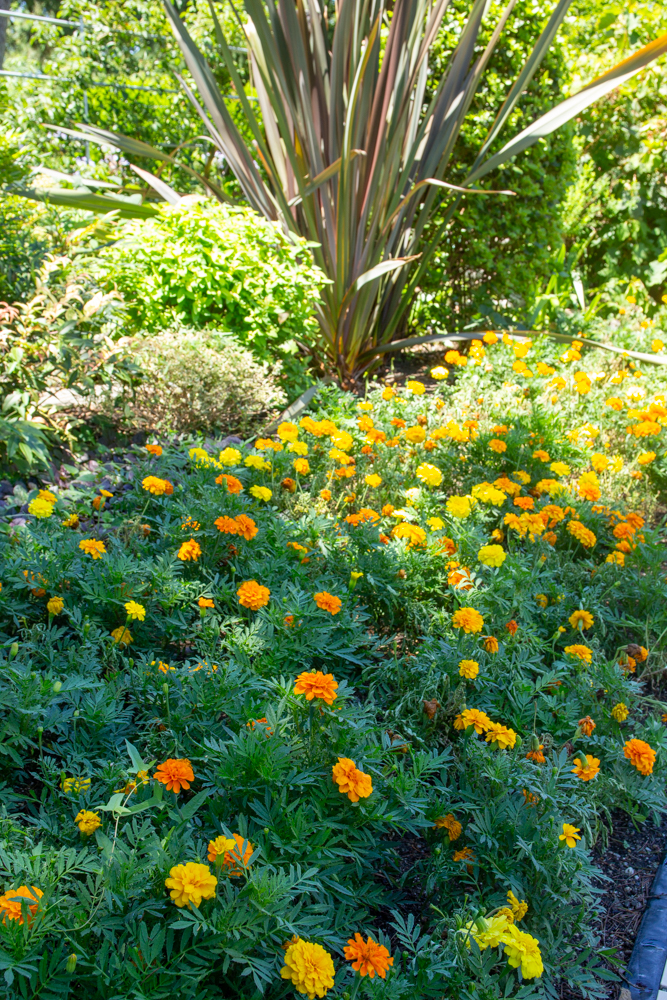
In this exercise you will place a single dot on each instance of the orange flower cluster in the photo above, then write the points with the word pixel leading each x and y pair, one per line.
pixel 239 525
pixel 158 487
pixel 468 619
pixel 189 551
pixel 327 602
pixel 11 903
pixel 640 755
pixel 230 852
pixel 175 774
pixel 350 780
pixel 586 767
pixel 451 825
pixel 367 957
pixel 233 484
pixel 253 595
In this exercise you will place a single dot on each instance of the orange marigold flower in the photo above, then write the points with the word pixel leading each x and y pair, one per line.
pixel 367 957
pixel 586 725
pixel 205 602
pixel 640 755
pixel 490 644
pixel 500 735
pixel 350 780
pixel 451 825
pixel 464 855
pixel 10 903
pixel 582 534
pixel 227 525
pixel 175 774
pixel 228 852
pixel 525 503
pixel 537 755
pixel 468 619
pixel 586 767
pixel 190 550
pixel 288 484
pixel 246 527
pixel 317 685
pixel 92 547
pixel 512 627
pixel 327 602
pixel 582 652
pixel 233 484
pixel 253 595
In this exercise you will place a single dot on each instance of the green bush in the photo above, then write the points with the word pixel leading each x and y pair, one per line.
pixel 201 381
pixel 208 264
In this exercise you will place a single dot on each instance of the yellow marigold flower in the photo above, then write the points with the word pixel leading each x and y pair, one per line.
pixel 351 781
pixel 261 492
pixel 76 785
pixel 155 485
pixel 468 619
pixel 501 735
pixel 11 903
pixel 87 822
pixel 175 773
pixel 560 468
pixel 190 883
pixel 256 462
pixel 492 555
pixel 253 595
pixel 586 767
pixel 325 495
pixel 439 373
pixel 287 431
pixel 473 717
pixel 620 712
pixel 488 493
pixel 519 909
pixel 640 755
pixel 301 466
pixel 190 550
pixel 415 435
pixel 230 457
pixel 373 480
pixel 367 957
pixel 523 950
pixel 646 457
pixel 92 547
pixel 298 448
pixel 581 620
pixel 388 393
pixel 414 535
pixel 309 967
pixel 429 474
pixel 40 507
pixel 495 444
pixel 570 834
pixel 71 522
pixel 327 602
pixel 55 605
pixel 229 852
pixel 582 534
pixel 490 644
pixel 135 611
pixel 657 345
pixel 469 669
pixel 582 653
pixel 416 388
pixel 317 685
pixel 458 507
pixel 451 825
pixel 121 636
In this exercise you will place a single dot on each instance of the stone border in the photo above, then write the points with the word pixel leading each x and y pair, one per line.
pixel 646 975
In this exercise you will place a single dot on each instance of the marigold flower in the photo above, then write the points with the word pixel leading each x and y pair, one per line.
pixel 158 487
pixel 473 717
pixel 55 605
pixel 414 535
pixel 451 825
pixel 190 883
pixel 327 602
pixel 586 767
pixel 501 735
pixel 261 493
pixel 76 785
pixel 469 669
pixel 492 555
pixel 497 445
pixel 430 475
pixel 646 457
pixel 368 957
pixel 490 644
pixel 253 595
pixel 154 449
pixel 301 467
pixel 246 527
pixel 620 712
pixel 87 822
pixel 228 852
pixel 205 602
pixel 317 685
pixel 415 435
pixel 570 834
pixel 11 903
pixel 309 967
pixel 468 619
pixel 537 755
pixel 523 950
pixel 121 636
pixel 586 725
pixel 519 908
pixel 40 508
pixel 92 547
pixel 175 773
pixel 466 855
pixel 439 373
pixel 190 550
pixel 560 468
pixel 640 755
pixel 135 611
pixel 582 653
pixel 351 781
pixel 233 484
pixel 373 480
pixel 325 495
pixel 512 627
pixel 581 620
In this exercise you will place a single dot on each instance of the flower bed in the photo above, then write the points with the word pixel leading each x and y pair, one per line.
pixel 239 684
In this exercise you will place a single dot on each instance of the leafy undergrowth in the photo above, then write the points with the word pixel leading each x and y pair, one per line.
pixel 387 673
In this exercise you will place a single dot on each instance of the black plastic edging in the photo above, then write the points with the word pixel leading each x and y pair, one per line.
pixel 649 954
